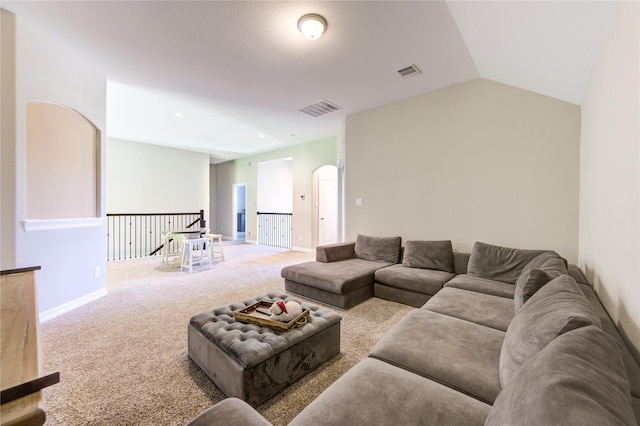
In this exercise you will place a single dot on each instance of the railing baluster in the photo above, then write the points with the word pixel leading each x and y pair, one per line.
pixel 133 235
pixel 274 229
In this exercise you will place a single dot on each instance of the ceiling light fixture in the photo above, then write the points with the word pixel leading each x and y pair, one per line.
pixel 312 26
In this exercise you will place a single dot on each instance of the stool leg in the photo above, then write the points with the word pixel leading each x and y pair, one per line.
pixel 165 249
pixel 184 253
pixel 221 249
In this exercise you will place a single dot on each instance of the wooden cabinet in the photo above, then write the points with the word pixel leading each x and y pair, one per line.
pixel 19 381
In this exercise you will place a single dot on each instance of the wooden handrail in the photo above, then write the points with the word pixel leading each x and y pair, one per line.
pixel 27 388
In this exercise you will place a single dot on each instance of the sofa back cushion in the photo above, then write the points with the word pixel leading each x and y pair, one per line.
pixel 335 252
pixel 558 307
pixel 378 249
pixel 527 284
pixel 436 255
pixel 499 263
pixel 578 379
pixel 550 262
pixel 542 269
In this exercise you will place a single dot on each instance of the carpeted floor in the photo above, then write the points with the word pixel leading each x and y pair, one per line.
pixel 123 358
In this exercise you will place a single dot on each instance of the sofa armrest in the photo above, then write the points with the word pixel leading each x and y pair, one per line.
pixel 335 252
pixel 229 412
pixel 577 274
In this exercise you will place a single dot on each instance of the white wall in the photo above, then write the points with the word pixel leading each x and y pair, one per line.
pixel 45 71
pixel 479 161
pixel 275 186
pixel 306 158
pixel 145 178
pixel 610 174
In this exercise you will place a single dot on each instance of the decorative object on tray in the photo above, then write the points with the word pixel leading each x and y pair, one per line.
pixel 260 313
pixel 284 311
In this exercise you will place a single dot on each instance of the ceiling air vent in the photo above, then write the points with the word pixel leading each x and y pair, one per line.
pixel 409 71
pixel 319 108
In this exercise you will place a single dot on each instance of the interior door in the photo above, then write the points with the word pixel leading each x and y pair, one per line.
pixel 327 209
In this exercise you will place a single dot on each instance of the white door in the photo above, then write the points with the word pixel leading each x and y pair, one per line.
pixel 327 210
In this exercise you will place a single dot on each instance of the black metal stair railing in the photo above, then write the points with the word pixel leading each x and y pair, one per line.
pixel 132 235
pixel 274 229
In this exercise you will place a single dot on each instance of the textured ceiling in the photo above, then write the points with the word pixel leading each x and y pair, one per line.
pixel 239 71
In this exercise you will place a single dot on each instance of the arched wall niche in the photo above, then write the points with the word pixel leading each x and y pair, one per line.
pixel 62 164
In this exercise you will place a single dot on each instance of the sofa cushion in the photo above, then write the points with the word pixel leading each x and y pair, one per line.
pixel 378 249
pixel 550 262
pixel 482 285
pixel 436 255
pixel 457 353
pixel 578 379
pixel 335 252
pixel 499 263
pixel 542 269
pixel 425 281
pixel 556 308
pixel 229 412
pixel 374 392
pixel 527 284
pixel 484 309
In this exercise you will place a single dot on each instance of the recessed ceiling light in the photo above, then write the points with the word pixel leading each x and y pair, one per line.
pixel 261 135
pixel 178 114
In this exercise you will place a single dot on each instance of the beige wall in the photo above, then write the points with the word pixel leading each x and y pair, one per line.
pixel 610 175
pixel 306 158
pixel 48 72
pixel 213 196
pixel 479 161
pixel 8 139
pixel 61 163
pixel 145 178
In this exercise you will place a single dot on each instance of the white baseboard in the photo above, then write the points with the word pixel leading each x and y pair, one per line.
pixel 304 249
pixel 69 306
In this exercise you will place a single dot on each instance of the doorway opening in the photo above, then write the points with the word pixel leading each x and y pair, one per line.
pixel 239 212
pixel 325 205
pixel 275 202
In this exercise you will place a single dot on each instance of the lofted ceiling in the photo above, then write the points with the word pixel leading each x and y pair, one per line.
pixel 228 77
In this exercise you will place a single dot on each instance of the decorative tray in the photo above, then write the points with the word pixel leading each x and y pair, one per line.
pixel 252 314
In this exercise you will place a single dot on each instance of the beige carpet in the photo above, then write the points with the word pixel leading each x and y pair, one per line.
pixel 123 358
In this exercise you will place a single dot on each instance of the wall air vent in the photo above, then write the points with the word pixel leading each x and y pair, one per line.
pixel 319 108
pixel 409 71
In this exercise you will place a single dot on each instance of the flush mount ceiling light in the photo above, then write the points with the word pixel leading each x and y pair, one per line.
pixel 312 26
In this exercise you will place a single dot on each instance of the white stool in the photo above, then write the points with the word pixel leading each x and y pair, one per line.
pixel 211 238
pixel 167 237
pixel 194 251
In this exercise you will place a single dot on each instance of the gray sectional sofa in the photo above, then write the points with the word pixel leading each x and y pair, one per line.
pixel 511 337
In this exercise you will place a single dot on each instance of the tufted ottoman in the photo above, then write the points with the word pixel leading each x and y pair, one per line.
pixel 255 363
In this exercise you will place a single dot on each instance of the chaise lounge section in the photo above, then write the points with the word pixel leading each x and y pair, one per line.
pixel 518 338
pixel 343 273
